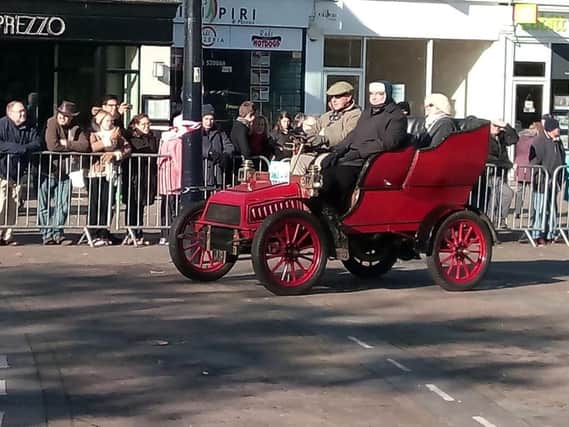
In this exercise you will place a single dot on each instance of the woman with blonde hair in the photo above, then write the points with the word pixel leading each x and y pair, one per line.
pixel 438 121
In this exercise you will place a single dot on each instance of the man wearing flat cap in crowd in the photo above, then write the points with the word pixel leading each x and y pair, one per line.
pixel 333 126
pixel 62 135
pixel 502 135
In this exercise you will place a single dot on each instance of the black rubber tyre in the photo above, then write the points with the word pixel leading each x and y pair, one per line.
pixel 185 251
pixel 370 269
pixel 293 241
pixel 461 252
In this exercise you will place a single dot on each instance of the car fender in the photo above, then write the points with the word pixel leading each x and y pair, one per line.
pixel 433 220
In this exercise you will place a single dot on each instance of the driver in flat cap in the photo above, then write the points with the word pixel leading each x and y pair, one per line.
pixel 333 126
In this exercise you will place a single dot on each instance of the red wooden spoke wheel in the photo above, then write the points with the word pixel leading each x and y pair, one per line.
pixel 188 249
pixel 288 252
pixel 461 252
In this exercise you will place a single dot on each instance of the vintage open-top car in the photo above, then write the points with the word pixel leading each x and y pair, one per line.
pixel 405 202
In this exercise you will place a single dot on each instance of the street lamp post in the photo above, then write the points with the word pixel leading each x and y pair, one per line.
pixel 192 175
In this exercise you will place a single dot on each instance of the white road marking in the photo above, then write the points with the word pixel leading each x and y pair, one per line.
pixel 3 361
pixel 361 343
pixel 440 393
pixel 483 421
pixel 399 365
pixel 1 418
pixel 3 388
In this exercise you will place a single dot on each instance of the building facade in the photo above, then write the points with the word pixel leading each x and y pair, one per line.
pixel 456 48
pixel 252 49
pixel 80 50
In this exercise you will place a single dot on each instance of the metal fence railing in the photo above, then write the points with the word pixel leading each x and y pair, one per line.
pixel 96 193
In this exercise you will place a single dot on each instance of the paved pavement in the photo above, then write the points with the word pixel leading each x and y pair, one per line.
pixel 116 337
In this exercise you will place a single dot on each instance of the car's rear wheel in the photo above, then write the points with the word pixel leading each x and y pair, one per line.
pixel 188 249
pixel 461 252
pixel 289 252
pixel 371 264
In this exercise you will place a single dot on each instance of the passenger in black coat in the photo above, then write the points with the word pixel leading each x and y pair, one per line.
pixel 381 127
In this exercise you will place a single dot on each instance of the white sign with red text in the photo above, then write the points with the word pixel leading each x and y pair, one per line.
pixel 251 38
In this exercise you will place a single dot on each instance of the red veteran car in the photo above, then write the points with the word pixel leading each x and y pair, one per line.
pixel 406 202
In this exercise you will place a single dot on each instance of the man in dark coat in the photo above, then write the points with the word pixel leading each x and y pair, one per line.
pixel 241 128
pixel 546 151
pixel 381 127
pixel 17 142
pixel 216 148
pixel 502 135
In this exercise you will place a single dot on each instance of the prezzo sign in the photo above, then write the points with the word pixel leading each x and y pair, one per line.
pixel 272 39
pixel 35 26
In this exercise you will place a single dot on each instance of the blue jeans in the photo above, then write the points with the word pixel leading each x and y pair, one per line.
pixel 53 198
pixel 542 207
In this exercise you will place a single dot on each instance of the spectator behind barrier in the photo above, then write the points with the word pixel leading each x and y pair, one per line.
pixel 17 142
pixel 62 135
pixel 217 149
pixel 103 174
pixel 280 137
pixel 241 129
pixel 139 176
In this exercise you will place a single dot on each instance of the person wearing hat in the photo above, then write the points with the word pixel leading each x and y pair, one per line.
pixel 217 148
pixel 62 135
pixel 17 141
pixel 332 127
pixel 381 127
pixel 438 121
pixel 546 151
pixel 502 135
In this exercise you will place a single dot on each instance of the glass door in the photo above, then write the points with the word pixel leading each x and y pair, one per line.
pixel 529 103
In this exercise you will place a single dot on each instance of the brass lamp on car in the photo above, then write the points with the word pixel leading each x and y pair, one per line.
pixel 246 171
pixel 312 180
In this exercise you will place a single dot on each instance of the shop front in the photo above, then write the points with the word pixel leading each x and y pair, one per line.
pixel 421 47
pixel 541 69
pixel 79 51
pixel 251 50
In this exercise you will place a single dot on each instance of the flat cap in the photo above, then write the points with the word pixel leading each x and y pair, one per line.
pixel 340 88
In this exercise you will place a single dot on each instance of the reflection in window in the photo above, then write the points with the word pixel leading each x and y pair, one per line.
pixel 345 53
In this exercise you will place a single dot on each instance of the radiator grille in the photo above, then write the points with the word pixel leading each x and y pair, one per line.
pixel 260 212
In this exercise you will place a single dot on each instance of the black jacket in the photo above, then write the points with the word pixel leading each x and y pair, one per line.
pixel 378 129
pixel 280 144
pixel 216 151
pixel 498 148
pixel 16 142
pixel 547 153
pixel 240 138
pixel 438 132
pixel 140 174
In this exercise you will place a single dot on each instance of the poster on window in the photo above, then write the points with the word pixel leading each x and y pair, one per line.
pixel 260 59
pixel 260 76
pixel 260 93
pixel 561 102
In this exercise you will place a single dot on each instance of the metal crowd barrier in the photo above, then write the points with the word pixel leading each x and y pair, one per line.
pixel 56 192
pixel 559 207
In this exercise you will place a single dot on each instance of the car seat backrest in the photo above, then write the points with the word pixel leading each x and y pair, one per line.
pixel 386 170
pixel 458 161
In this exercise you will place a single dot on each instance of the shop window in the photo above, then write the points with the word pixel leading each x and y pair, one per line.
pixel 529 69
pixel 345 53
pixel 455 65
pixel 401 62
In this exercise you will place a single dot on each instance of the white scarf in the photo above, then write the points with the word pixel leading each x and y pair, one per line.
pixel 431 119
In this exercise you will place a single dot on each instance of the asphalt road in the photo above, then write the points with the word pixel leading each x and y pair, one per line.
pixel 116 337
